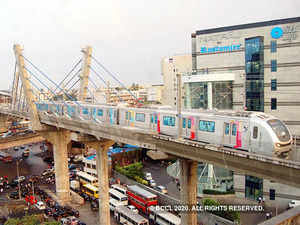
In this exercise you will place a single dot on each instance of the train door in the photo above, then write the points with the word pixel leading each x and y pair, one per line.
pixel 153 121
pixel 227 134
pixel 111 116
pixel 94 113
pixel 233 133
pixel 255 138
pixel 130 118
pixel 190 127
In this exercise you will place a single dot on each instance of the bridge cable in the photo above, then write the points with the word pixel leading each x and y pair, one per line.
pixel 71 80
pixel 115 78
pixel 69 73
pixel 43 85
pixel 105 83
pixel 49 80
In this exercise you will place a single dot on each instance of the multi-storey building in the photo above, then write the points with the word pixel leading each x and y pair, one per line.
pixel 170 66
pixel 251 67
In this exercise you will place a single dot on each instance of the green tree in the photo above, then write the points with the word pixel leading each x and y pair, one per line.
pixel 51 223
pixel 13 221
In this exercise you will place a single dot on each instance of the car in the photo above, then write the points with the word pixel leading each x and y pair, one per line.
pixel 48 172
pixel 152 183
pixel 40 205
pixel 148 176
pixel 23 147
pixel 64 221
pixel 78 158
pixel 75 166
pixel 133 209
pixel 161 189
pixel 20 179
pixel 14 195
pixel 25 153
pixel 48 159
pixel 16 148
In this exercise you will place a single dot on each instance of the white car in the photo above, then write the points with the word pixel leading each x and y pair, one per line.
pixel 162 189
pixel 133 209
pixel 152 183
pixel 78 158
pixel 148 176
pixel 48 172
pixel 40 205
pixel 20 179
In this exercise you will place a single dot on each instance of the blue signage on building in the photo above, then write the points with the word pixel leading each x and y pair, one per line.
pixel 276 32
pixel 216 49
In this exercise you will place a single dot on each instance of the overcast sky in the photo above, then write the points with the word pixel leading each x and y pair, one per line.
pixel 128 37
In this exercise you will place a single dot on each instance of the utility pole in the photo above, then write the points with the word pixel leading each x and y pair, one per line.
pixel 85 72
pixel 179 96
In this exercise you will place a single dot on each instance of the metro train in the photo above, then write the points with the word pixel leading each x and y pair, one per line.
pixel 254 132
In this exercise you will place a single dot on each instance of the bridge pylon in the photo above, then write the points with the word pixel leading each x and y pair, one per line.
pixel 25 90
pixel 85 72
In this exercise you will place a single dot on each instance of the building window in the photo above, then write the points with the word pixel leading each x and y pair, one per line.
pixel 273 103
pixel 273 65
pixel 273 84
pixel 273 46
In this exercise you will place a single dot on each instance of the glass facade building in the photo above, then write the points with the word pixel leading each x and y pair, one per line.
pixel 254 70
pixel 196 95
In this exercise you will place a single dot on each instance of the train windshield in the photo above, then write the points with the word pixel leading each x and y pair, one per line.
pixel 280 129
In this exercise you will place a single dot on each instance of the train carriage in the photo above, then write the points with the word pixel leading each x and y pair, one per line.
pixel 251 131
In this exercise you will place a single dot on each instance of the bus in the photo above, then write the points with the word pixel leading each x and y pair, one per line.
pixel 114 194
pixel 113 203
pixel 125 216
pixel 120 188
pixel 141 198
pixel 163 217
pixel 90 190
pixel 85 178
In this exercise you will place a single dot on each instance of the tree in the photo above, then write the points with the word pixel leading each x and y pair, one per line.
pixel 51 223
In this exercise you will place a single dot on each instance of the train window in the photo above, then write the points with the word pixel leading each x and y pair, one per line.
pixel 85 111
pixel 255 132
pixel 126 115
pixel 183 122
pixel 233 133
pixel 140 117
pixel 100 112
pixel 169 121
pixel 152 118
pixel 208 126
pixel 189 123
pixel 227 128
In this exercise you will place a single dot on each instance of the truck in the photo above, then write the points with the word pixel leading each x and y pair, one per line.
pixel 75 185
pixel 294 203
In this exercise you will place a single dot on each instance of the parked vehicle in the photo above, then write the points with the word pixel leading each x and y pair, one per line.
pixel 78 158
pixel 294 203
pixel 148 176
pixel 152 183
pixel 14 195
pixel 40 205
pixel 161 189
pixel 133 209
pixel 48 172
pixel 19 179
pixel 26 153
